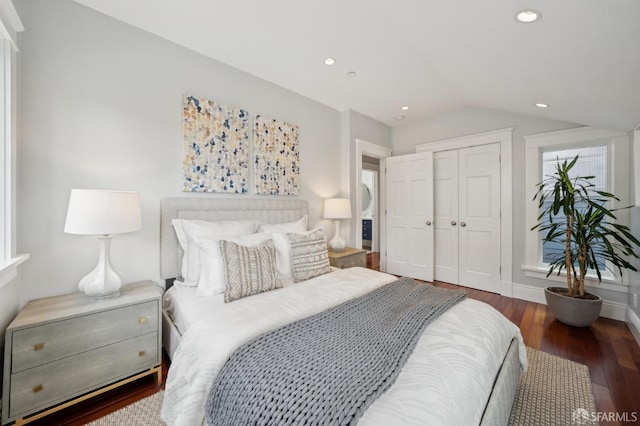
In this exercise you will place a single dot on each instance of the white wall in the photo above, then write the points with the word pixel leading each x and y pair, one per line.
pixel 101 108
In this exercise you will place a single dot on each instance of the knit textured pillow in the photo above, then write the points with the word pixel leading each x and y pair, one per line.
pixel 248 270
pixel 309 256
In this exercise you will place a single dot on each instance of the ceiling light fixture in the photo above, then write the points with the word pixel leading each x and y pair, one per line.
pixel 528 16
pixel 541 105
pixel 329 61
pixel 351 74
pixel 399 117
pixel 404 108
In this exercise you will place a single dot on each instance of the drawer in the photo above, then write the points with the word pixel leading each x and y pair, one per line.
pixel 351 261
pixel 40 387
pixel 45 343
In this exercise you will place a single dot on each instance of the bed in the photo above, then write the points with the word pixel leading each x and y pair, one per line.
pixel 464 369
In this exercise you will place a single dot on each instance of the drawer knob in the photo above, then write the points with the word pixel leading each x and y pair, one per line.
pixel 37 389
pixel 38 346
pixel 142 353
pixel 142 320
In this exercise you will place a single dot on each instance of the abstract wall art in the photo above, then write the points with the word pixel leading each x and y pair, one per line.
pixel 277 157
pixel 215 147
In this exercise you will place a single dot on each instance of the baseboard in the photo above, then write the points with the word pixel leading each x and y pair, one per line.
pixel 506 289
pixel 529 293
pixel 634 324
pixel 612 310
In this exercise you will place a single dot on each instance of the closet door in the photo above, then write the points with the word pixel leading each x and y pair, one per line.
pixel 409 215
pixel 479 217
pixel 467 217
pixel 445 183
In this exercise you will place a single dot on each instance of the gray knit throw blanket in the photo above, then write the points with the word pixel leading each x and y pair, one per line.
pixel 328 368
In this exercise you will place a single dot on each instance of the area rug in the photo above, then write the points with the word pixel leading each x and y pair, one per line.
pixel 554 391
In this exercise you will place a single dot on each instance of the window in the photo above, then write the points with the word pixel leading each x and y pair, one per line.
pixel 604 154
pixel 9 26
pixel 4 154
pixel 592 161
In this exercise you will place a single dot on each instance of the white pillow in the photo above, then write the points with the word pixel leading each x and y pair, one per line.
pixel 187 230
pixel 211 280
pixel 283 252
pixel 295 227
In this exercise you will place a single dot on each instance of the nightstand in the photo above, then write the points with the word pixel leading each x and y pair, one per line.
pixel 348 258
pixel 65 349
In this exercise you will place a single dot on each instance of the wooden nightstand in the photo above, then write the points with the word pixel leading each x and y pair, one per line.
pixel 65 349
pixel 348 258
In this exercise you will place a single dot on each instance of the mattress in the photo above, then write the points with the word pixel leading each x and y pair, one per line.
pixel 447 380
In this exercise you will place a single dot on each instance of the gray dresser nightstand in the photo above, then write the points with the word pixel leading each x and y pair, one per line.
pixel 65 349
pixel 348 258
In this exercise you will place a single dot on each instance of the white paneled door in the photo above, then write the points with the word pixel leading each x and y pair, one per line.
pixel 409 215
pixel 445 184
pixel 467 217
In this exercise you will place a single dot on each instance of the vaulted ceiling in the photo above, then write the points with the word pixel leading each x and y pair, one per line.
pixel 433 56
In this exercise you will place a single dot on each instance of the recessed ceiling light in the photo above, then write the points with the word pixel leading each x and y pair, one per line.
pixel 404 108
pixel 351 74
pixel 541 105
pixel 329 61
pixel 399 117
pixel 528 16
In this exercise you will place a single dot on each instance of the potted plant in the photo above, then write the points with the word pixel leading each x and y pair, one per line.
pixel 575 216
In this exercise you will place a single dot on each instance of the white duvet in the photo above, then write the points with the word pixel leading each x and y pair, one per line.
pixel 446 381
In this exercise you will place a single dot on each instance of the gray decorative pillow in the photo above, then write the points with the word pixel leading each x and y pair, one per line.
pixel 248 270
pixel 309 257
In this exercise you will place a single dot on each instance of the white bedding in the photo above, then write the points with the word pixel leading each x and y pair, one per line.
pixel 185 307
pixel 446 381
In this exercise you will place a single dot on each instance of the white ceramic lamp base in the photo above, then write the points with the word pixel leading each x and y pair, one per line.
pixel 103 282
pixel 337 243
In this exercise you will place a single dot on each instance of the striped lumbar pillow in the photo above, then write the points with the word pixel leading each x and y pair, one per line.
pixel 248 270
pixel 309 257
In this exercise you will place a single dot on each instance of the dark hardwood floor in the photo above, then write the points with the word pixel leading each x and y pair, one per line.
pixel 607 348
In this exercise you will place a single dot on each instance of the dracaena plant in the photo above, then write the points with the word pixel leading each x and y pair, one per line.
pixel 574 213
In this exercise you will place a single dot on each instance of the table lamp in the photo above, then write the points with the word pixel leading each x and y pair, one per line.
pixel 337 208
pixel 102 213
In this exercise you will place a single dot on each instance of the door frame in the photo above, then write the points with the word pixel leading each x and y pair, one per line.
pixel 505 138
pixel 375 151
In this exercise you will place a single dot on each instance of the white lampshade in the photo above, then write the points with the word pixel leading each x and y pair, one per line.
pixel 102 213
pixel 98 212
pixel 337 208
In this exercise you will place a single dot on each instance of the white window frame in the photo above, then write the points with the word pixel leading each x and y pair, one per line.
pixel 617 144
pixel 10 25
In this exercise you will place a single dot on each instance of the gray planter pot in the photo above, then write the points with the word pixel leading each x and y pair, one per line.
pixel 571 310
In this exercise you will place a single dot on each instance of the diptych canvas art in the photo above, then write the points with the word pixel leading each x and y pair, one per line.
pixel 215 150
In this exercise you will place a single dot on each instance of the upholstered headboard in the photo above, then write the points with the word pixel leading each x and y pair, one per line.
pixel 212 209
